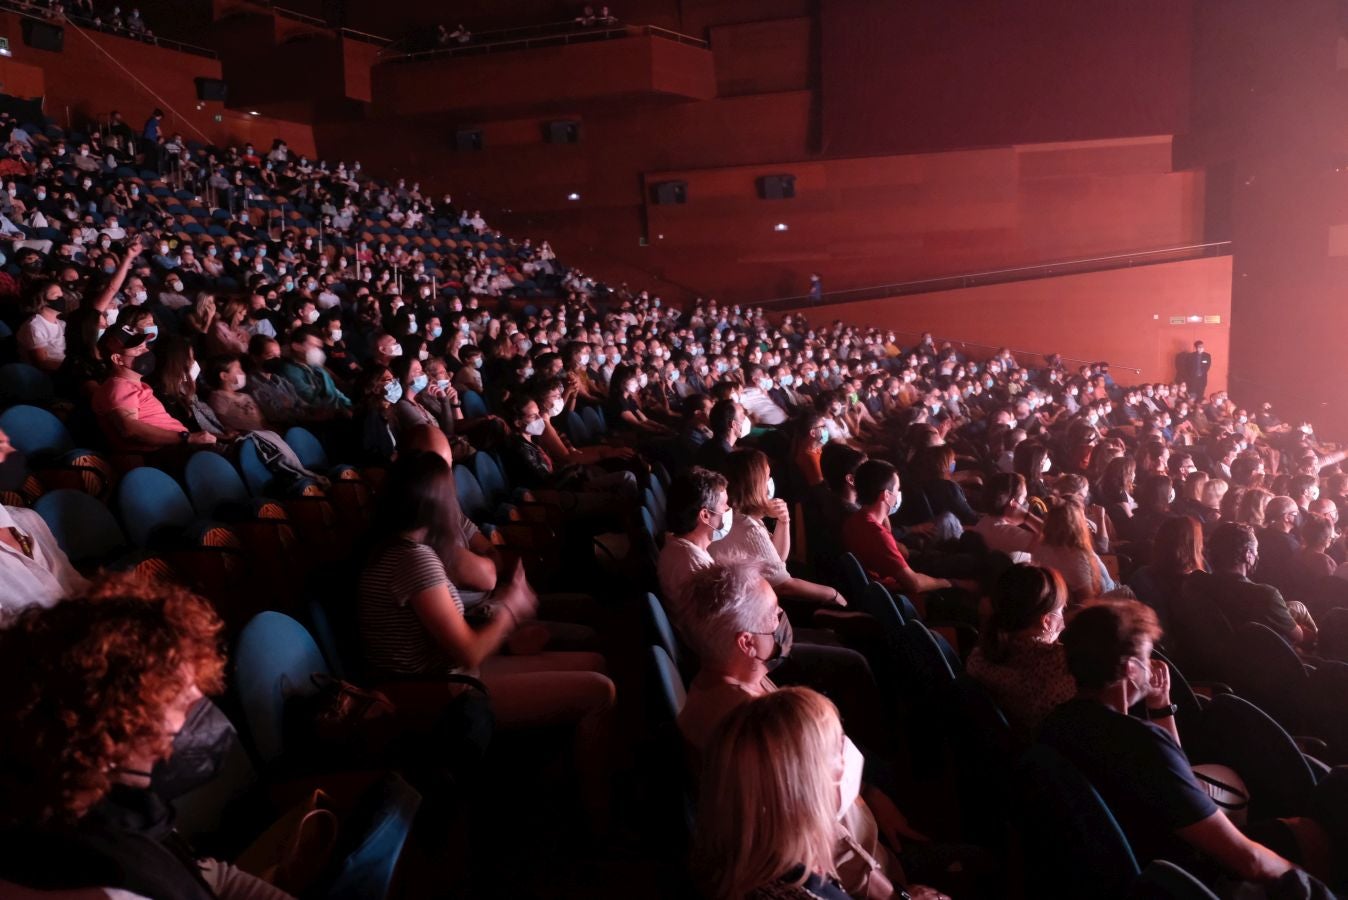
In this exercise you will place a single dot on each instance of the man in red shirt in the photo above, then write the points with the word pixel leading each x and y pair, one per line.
pixel 868 537
pixel 129 413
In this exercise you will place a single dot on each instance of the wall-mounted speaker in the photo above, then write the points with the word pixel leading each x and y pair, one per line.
pixel 777 187
pixel 468 139
pixel 43 36
pixel 211 89
pixel 666 192
pixel 562 132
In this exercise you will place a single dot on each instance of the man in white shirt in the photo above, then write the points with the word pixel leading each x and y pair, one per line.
pixel 697 513
pixel 33 567
pixel 756 402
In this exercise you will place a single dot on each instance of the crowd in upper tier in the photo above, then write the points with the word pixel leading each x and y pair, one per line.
pixel 532 451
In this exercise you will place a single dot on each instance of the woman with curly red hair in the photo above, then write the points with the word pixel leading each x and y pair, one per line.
pixel 96 688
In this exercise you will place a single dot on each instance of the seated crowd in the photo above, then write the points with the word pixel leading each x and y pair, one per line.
pixel 1050 531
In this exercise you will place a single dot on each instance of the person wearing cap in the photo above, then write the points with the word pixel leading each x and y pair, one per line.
pixel 132 417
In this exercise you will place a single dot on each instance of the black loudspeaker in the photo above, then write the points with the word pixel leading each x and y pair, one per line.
pixel 211 89
pixel 669 192
pixel 562 132
pixel 777 187
pixel 468 139
pixel 42 36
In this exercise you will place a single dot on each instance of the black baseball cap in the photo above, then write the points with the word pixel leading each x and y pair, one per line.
pixel 119 338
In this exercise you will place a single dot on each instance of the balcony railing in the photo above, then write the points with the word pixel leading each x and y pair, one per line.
pixel 999 276
pixel 532 36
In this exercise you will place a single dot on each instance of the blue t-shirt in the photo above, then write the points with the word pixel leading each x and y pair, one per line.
pixel 1140 772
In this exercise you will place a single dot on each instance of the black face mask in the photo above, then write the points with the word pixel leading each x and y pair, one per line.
pixel 143 365
pixel 782 639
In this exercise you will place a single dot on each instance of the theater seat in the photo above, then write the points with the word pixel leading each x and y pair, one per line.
pixel 83 526
pixel 274 659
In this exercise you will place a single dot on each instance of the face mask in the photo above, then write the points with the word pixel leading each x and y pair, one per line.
pixel 898 501
pixel 850 786
pixel 615 358
pixel 772 488
pixel 315 357
pixel 108 270
pixel 111 315
pixel 477 362
pixel 527 372
pixel 419 383
pixel 393 392
pixel 823 435
pixel 239 381
pixel 1141 685
pixel 1046 465
pixel 788 380
pixel 195 371
pixel 311 316
pixel 150 331
pixel 143 365
pixel 642 380
pixel 745 427
pixel 727 518
pixel 555 408
pixel 782 639
pixel 437 331
pixel 536 427
pixel 765 384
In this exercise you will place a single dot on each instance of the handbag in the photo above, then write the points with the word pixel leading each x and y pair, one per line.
pixel 339 722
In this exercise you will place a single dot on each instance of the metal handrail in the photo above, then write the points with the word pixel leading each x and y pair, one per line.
pixel 89 25
pixel 569 36
pixel 364 36
pixel 998 276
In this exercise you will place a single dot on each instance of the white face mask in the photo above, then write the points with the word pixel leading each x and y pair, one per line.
pixel 397 350
pixel 850 786
pixel 1046 465
pixel 898 501
pixel 336 335
pixel 195 371
pixel 311 316
pixel 745 426
pixel 536 427
pixel 727 518
pixel 772 488
pixel 239 381
pixel 555 409
pixel 315 357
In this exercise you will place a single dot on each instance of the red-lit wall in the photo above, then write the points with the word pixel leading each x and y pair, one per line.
pixel 932 75
pixel 84 83
pixel 888 219
pixel 1121 316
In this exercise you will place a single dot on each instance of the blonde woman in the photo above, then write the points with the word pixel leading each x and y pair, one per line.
pixel 778 777
pixel 751 493
pixel 1252 506
pixel 1065 545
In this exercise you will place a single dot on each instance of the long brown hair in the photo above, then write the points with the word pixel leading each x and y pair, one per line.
pixel 747 473
pixel 1177 548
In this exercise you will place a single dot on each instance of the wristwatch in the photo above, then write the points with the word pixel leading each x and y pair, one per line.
pixel 1162 712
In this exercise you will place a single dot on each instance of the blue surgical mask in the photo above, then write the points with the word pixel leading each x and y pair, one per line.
pixel 419 384
pixel 393 392
pixel 437 331
pixel 151 331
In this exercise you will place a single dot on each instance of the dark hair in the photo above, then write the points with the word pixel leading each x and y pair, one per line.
pixel 1227 546
pixel 1317 531
pixel 418 493
pixel 933 463
pixel 1177 548
pixel 1001 489
pixel 1103 636
pixel 1022 596
pixel 872 479
pixel 173 362
pixel 214 370
pixel 690 493
pixel 1296 486
pixel 1153 494
pixel 722 418
pixel 836 462
pixel 1242 469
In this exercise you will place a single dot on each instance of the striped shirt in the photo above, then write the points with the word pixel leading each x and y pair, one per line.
pixel 396 642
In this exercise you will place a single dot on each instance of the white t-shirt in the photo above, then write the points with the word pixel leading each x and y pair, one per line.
pixel 40 333
pixel 679 560
pixel 761 408
pixel 42 580
pixel 748 537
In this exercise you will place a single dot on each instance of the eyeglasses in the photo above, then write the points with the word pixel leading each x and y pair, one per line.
pixel 781 614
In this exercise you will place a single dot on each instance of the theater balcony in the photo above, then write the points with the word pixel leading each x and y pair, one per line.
pixel 504 75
